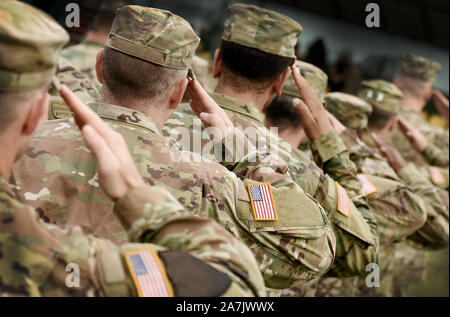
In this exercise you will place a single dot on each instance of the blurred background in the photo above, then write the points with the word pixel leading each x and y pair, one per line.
pixel 336 39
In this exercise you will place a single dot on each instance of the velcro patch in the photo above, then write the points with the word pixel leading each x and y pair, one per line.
pixel 343 205
pixel 368 186
pixel 262 202
pixel 149 275
pixel 436 175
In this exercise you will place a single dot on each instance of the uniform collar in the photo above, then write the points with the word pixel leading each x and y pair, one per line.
pixel 125 115
pixel 238 106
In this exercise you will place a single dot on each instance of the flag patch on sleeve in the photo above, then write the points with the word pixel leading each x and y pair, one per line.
pixel 262 202
pixel 343 205
pixel 148 273
pixel 368 186
pixel 436 175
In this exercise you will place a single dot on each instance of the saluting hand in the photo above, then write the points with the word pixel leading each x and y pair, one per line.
pixel 413 135
pixel 393 157
pixel 313 113
pixel 208 110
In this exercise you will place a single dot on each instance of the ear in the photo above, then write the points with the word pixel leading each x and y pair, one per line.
pixel 429 93
pixel 177 93
pixel 280 81
pixel 217 65
pixel 99 65
pixel 35 112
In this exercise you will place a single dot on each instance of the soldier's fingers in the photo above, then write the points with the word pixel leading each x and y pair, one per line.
pixel 98 146
pixel 376 140
pixel 305 89
pixel 201 97
pixel 84 115
pixel 304 111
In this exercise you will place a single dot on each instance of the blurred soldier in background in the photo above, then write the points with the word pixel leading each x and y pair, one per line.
pixel 409 263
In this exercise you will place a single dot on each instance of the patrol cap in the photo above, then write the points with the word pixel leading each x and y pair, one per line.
pixel 382 95
pixel 419 67
pixel 351 111
pixel 153 35
pixel 262 29
pixel 313 75
pixel 30 45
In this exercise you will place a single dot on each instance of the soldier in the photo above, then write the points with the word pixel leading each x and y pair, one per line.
pixel 144 79
pixel 380 173
pixel 398 210
pixel 416 80
pixel 409 263
pixel 35 255
pixel 251 65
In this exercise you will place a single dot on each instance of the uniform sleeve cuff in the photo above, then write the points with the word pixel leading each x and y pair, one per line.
pixel 329 146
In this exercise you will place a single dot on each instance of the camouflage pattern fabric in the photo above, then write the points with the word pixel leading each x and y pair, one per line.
pixel 381 95
pixel 82 57
pixel 419 67
pixel 357 242
pixel 60 172
pixel 29 51
pixel 153 35
pixel 77 82
pixel 263 29
pixel 35 253
pixel 351 111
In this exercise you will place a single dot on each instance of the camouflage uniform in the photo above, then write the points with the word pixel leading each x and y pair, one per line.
pixel 357 242
pixel 409 263
pixel 35 254
pixel 82 57
pixel 59 167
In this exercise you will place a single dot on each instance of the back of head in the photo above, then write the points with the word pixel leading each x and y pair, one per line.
pixel 257 46
pixel 417 76
pixel 31 43
pixel 385 99
pixel 147 52
pixel 282 114
pixel 351 111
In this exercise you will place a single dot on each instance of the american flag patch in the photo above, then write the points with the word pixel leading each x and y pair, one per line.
pixel 368 186
pixel 343 205
pixel 262 202
pixel 436 175
pixel 148 274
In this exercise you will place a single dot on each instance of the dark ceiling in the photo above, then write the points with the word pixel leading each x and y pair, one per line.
pixel 420 20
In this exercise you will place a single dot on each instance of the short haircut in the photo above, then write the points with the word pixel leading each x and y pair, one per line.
pixel 413 87
pixel 379 118
pixel 11 104
pixel 282 114
pixel 127 77
pixel 249 68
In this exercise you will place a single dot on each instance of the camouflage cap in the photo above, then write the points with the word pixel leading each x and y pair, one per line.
pixel 419 67
pixel 381 94
pixel 353 112
pixel 30 45
pixel 153 35
pixel 265 30
pixel 313 75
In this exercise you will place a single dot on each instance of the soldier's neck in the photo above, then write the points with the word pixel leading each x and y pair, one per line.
pixel 412 104
pixel 257 100
pixel 147 108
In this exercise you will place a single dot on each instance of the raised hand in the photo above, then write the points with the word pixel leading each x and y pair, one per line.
pixel 441 103
pixel 117 173
pixel 393 157
pixel 314 116
pixel 417 140
pixel 207 109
